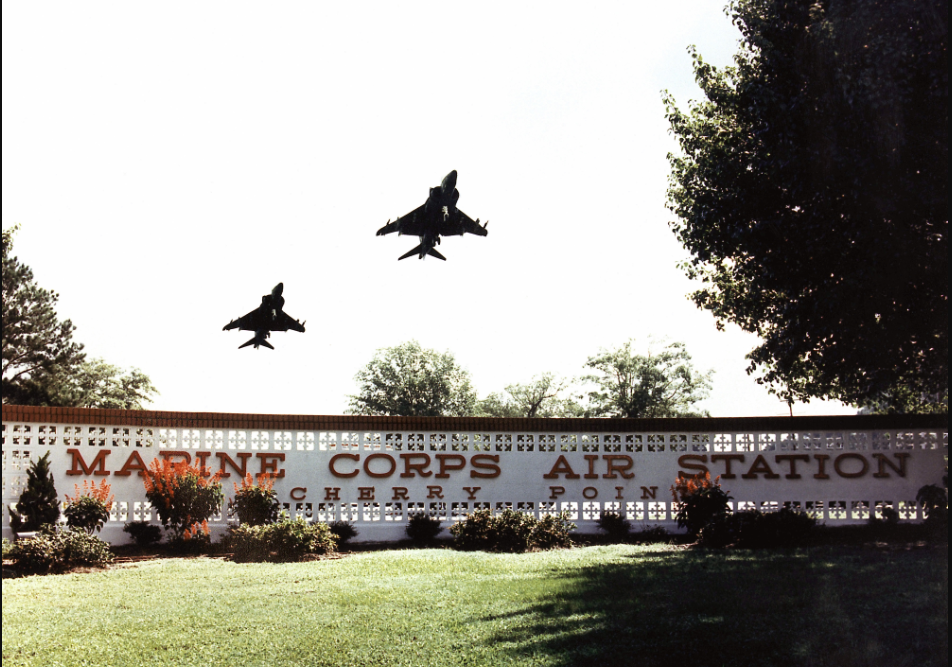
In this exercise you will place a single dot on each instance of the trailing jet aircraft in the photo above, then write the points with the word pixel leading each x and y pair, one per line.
pixel 264 319
pixel 438 216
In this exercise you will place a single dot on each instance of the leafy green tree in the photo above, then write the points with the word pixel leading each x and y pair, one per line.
pixel 663 384
pixel 541 397
pixel 41 363
pixel 410 381
pixel 34 341
pixel 811 190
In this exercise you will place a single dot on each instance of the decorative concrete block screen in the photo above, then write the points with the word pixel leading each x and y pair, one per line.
pixel 376 471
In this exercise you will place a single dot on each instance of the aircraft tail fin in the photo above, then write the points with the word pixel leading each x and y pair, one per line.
pixel 415 251
pixel 435 253
pixel 256 342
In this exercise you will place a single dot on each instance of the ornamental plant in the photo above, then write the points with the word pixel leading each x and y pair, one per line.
pixel 511 532
pixel 38 504
pixel 57 549
pixel 699 500
pixel 89 509
pixel 183 496
pixel 286 540
pixel 255 502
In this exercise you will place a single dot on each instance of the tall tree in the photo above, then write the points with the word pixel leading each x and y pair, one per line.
pixel 35 341
pixel 812 193
pixel 41 363
pixel 658 384
pixel 541 397
pixel 410 381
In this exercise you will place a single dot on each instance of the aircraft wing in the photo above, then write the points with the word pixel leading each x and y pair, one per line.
pixel 410 224
pixel 250 322
pixel 463 225
pixel 286 322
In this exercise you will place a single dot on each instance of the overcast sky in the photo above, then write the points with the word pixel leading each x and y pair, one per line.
pixel 169 163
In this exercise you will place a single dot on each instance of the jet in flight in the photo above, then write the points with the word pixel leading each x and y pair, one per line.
pixel 438 216
pixel 264 319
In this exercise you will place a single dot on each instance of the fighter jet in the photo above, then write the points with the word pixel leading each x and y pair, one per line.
pixel 437 217
pixel 266 318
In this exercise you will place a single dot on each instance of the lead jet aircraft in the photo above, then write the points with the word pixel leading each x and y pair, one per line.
pixel 437 217
pixel 264 319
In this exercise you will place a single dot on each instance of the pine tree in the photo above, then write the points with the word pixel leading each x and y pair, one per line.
pixel 38 503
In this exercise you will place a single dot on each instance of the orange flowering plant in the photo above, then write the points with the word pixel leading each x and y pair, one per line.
pixel 699 499
pixel 255 502
pixel 183 495
pixel 89 509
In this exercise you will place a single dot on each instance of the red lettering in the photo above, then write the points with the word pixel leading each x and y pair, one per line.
pixel 649 492
pixel 618 463
pixel 400 493
pixel 727 458
pixel 134 462
pixel 471 490
pixel 760 467
pixel 844 457
pixel 491 465
pixel 298 493
pixel 434 492
pixel 242 470
pixel 365 492
pixel 590 492
pixel 687 461
pixel 792 458
pixel 409 467
pixel 202 457
pixel 883 462
pixel 459 462
pixel 332 465
pixel 561 467
pixel 556 491
pixel 331 493
pixel 821 459
pixel 591 458
pixel 269 464
pixel 97 467
pixel 389 459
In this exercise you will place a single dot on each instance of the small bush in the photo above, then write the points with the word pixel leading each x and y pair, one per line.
pixel 143 533
pixel 89 509
pixel 698 501
pixel 753 529
pixel 422 528
pixel 255 503
pixel 615 525
pixel 58 550
pixel 283 541
pixel 343 531
pixel 651 535
pixel 181 494
pixel 511 532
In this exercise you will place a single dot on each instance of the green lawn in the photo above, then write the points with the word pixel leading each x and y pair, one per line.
pixel 619 605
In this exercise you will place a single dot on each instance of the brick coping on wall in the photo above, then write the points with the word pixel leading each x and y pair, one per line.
pixel 169 419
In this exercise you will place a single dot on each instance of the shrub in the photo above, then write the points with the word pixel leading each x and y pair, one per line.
pixel 614 524
pixel 699 500
pixel 754 529
pixel 143 533
pixel 255 503
pixel 58 550
pixel 511 531
pixel 651 535
pixel 89 509
pixel 181 495
pixel 283 541
pixel 38 504
pixel 422 528
pixel 343 531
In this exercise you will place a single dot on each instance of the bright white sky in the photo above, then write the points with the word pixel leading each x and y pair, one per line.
pixel 171 162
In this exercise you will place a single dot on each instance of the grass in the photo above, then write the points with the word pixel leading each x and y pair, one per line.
pixel 609 605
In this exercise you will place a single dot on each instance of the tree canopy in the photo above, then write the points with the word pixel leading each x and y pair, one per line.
pixel 811 190
pixel 657 384
pixel 42 365
pixel 543 396
pixel 410 381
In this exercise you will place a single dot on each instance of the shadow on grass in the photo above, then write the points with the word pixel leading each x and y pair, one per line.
pixel 820 606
